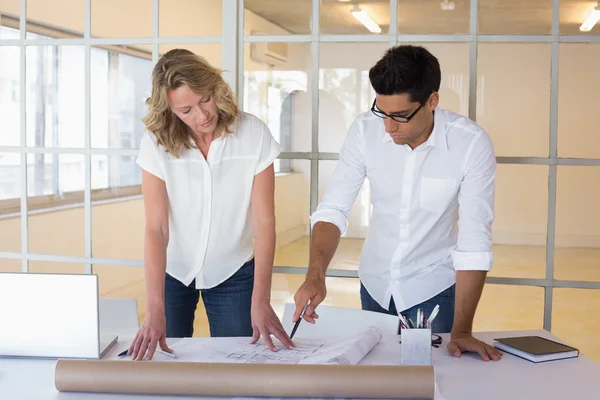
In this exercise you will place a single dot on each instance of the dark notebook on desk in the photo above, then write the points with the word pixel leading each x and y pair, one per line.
pixel 535 348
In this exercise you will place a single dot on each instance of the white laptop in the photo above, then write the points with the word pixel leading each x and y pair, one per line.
pixel 51 316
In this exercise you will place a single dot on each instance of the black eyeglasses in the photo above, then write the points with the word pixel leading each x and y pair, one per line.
pixel 395 117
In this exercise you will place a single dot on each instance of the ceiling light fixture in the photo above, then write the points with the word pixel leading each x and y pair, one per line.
pixel 364 19
pixel 590 21
pixel 447 5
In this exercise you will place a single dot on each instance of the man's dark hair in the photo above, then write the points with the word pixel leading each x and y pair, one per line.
pixel 407 69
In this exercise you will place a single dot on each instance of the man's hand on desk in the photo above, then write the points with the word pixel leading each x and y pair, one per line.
pixel 313 289
pixel 465 342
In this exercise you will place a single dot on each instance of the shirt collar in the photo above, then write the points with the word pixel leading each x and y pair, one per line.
pixel 438 135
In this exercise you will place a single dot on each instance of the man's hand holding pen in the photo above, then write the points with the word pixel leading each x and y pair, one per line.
pixel 313 290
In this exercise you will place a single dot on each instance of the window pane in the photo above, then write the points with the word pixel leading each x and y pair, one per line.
pixel 578 117
pixel 509 307
pixel 117 226
pixel 277 90
pixel 9 30
pixel 120 85
pixel 573 17
pixel 10 265
pixel 520 225
pixel 515 17
pixel 454 63
pixel 577 240
pixel 571 309
pixel 358 19
pixel 114 173
pixel 433 17
pixel 278 17
pixel 190 18
pixel 55 96
pixel 56 218
pixel 292 212
pixel 56 267
pixel 55 21
pixel 115 281
pixel 346 90
pixel 55 174
pixel 10 202
pixel 513 99
pixel 133 19
pixel 10 89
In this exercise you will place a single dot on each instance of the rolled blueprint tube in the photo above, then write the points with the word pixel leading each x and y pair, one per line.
pixel 245 380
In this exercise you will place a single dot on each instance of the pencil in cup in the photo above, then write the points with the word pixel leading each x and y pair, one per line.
pixel 422 322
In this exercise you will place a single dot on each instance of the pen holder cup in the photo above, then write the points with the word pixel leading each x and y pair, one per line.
pixel 416 347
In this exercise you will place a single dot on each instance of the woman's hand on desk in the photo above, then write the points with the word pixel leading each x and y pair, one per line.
pixel 266 323
pixel 153 332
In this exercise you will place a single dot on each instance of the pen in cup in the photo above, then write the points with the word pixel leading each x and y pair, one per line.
pixel 404 321
pixel 433 314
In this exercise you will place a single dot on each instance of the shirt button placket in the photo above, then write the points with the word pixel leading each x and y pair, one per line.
pixel 407 194
pixel 403 220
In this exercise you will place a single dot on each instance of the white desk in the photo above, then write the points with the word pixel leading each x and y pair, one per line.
pixel 466 378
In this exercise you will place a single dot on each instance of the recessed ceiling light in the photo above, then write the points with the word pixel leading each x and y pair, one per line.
pixel 591 20
pixel 447 5
pixel 365 19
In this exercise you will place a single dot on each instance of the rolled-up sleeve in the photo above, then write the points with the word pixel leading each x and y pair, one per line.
pixel 347 179
pixel 476 208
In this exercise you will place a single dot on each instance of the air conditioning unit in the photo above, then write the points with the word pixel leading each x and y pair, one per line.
pixel 271 53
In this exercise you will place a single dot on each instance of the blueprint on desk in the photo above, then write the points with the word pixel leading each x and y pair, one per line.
pixel 334 350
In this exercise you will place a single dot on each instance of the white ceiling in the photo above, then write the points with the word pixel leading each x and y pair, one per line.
pixel 523 17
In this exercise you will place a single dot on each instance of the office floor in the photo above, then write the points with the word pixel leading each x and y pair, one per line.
pixel 502 307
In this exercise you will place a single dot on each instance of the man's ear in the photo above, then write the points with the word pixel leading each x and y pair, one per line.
pixel 434 100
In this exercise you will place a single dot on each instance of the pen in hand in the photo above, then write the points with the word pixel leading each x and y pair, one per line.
pixel 299 319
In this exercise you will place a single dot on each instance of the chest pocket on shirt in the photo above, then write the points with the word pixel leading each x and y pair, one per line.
pixel 437 193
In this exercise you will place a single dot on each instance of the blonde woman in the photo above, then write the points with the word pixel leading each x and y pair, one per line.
pixel 208 186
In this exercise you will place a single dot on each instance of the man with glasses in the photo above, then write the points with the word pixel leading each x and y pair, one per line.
pixel 432 179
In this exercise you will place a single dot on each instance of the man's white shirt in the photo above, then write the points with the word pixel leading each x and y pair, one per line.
pixel 433 206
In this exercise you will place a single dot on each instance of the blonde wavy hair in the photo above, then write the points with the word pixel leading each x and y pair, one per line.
pixel 182 67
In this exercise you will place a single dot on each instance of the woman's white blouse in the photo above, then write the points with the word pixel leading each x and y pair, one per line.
pixel 210 226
